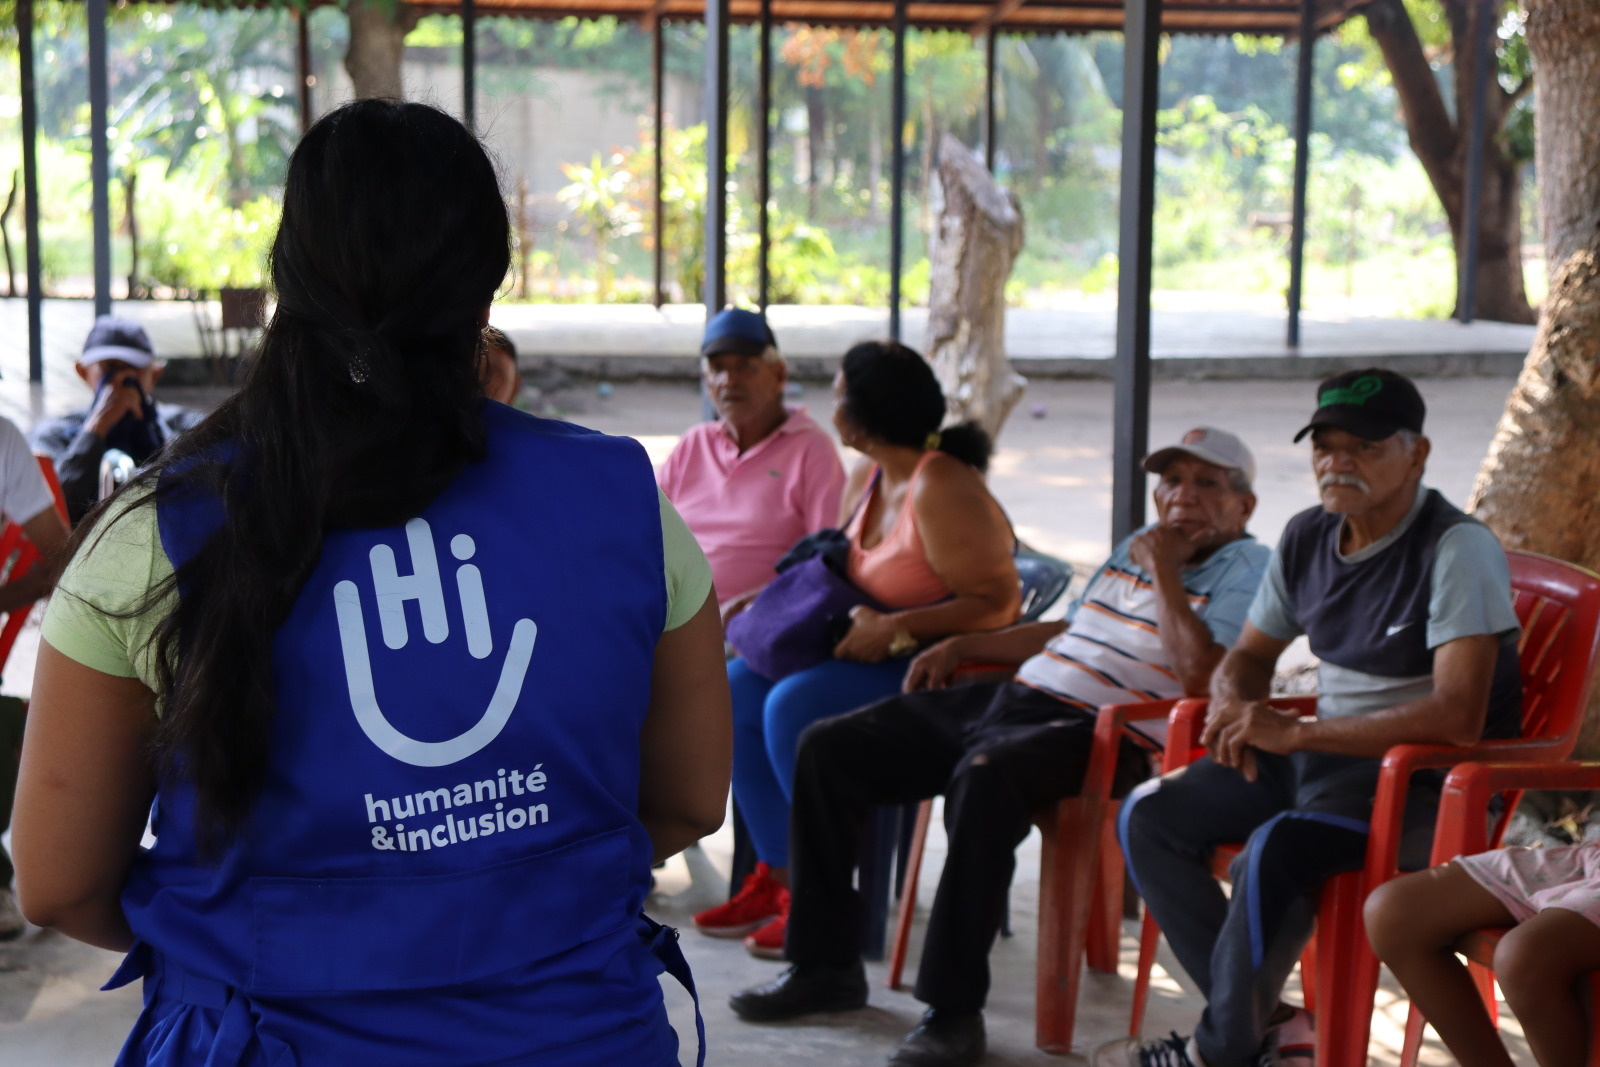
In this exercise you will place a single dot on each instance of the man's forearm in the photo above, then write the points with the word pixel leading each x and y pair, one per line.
pixel 26 589
pixel 1418 722
pixel 1241 676
pixel 1191 650
pixel 79 472
pixel 1011 645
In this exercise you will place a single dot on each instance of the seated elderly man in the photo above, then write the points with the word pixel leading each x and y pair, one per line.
pixel 120 365
pixel 759 478
pixel 1153 622
pixel 1407 603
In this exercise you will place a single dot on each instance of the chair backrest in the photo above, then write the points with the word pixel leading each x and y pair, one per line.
pixel 17 554
pixel 1044 578
pixel 47 468
pixel 1558 605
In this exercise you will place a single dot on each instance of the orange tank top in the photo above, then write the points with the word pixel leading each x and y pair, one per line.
pixel 895 571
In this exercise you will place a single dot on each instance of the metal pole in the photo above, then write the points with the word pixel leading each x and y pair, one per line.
pixel 99 157
pixel 763 151
pixel 302 58
pixel 657 217
pixel 1304 69
pixel 1483 61
pixel 30 191
pixel 988 98
pixel 469 64
pixel 1131 434
pixel 716 250
pixel 897 169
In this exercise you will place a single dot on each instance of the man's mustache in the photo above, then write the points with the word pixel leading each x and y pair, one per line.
pixel 1327 481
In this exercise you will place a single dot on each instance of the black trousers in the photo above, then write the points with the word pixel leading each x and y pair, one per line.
pixel 998 752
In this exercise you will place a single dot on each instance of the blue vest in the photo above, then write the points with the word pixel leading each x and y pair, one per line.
pixel 445 865
pixel 1372 615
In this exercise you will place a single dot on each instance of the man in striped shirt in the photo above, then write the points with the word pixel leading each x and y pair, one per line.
pixel 1153 622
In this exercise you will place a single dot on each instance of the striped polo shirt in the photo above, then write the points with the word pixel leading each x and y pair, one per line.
pixel 1111 653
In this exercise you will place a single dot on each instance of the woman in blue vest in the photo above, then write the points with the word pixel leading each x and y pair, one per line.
pixel 412 687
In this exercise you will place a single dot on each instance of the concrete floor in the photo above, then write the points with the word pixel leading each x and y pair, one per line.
pixel 1052 474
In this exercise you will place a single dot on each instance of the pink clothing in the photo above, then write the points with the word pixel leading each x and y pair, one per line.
pixel 895 571
pixel 748 510
pixel 1529 880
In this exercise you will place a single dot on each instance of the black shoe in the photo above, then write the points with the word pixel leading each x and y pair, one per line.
pixel 803 989
pixel 942 1039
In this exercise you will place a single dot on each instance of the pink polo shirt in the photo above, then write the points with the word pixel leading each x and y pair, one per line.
pixel 747 510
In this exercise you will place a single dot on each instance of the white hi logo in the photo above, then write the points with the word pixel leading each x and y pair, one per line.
pixel 423 586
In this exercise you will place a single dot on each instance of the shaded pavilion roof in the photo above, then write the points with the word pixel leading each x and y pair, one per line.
pixel 1276 18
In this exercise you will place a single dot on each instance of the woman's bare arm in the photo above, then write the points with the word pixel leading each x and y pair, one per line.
pixel 686 744
pixel 83 796
pixel 969 546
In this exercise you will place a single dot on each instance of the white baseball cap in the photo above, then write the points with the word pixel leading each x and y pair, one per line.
pixel 1217 447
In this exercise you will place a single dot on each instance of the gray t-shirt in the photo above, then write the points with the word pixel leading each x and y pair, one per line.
pixel 1470 596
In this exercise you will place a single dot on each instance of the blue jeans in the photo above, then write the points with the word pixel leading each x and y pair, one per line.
pixel 768 719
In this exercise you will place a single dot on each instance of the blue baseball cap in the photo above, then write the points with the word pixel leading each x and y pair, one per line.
pixel 116 338
pixel 737 332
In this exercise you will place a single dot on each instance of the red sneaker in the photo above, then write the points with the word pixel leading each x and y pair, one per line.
pixel 767 942
pixel 760 900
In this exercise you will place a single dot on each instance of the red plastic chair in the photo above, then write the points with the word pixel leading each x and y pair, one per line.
pixel 1464 828
pixel 1080 883
pixel 1558 605
pixel 17 554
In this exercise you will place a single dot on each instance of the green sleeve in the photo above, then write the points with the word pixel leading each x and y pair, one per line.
pixel 89 616
pixel 688 573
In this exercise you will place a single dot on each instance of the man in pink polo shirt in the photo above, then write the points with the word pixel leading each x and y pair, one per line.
pixel 762 476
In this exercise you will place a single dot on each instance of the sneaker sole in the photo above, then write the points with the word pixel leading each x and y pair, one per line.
pixel 742 930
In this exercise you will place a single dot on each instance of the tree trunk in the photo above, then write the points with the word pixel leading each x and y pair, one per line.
pixel 5 232
pixel 1440 143
pixel 1536 488
pixel 130 201
pixel 816 120
pixel 975 239
pixel 874 167
pixel 378 31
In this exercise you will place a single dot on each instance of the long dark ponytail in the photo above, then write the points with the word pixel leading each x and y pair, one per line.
pixel 361 405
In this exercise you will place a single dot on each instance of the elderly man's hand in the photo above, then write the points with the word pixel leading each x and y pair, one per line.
pixel 1252 725
pixel 934 666
pixel 1161 546
pixel 122 396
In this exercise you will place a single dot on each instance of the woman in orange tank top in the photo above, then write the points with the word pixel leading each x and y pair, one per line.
pixel 928 542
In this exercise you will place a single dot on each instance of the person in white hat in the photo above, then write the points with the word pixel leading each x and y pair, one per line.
pixel 1152 622
pixel 120 365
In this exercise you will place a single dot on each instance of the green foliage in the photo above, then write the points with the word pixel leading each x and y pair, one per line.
pixel 597 197
pixel 191 244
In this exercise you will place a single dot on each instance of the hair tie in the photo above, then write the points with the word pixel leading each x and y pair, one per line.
pixel 933 440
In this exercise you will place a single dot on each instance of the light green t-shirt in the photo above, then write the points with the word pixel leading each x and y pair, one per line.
pixel 123 560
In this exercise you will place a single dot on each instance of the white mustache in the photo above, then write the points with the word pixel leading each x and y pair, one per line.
pixel 1329 480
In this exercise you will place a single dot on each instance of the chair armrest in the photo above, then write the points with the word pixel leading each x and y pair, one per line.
pixel 1394 779
pixel 978 671
pixel 1188 719
pixel 1110 726
pixel 1463 826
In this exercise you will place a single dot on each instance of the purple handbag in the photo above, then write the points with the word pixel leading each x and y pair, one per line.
pixel 796 620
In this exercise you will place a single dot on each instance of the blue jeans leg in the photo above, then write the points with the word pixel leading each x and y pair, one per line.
pixel 764 785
